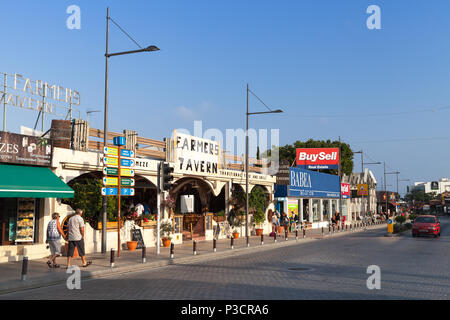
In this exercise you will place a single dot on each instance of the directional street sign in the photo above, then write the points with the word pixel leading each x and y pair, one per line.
pixel 114 191
pixel 127 162
pixel 111 171
pixel 127 172
pixel 127 191
pixel 111 181
pixel 111 151
pixel 119 141
pixel 111 161
pixel 127 182
pixel 126 153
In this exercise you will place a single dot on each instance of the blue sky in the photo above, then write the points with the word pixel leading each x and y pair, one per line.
pixel 316 60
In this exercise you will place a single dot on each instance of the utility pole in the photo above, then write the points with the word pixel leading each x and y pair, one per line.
pixel 340 182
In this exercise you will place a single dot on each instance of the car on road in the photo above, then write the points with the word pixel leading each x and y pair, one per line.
pixel 426 225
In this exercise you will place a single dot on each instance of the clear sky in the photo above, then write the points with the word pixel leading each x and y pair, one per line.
pixel 384 91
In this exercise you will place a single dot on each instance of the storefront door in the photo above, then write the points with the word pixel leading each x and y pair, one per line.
pixel 8 220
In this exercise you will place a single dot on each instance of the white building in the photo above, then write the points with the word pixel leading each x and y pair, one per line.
pixel 363 204
pixel 441 186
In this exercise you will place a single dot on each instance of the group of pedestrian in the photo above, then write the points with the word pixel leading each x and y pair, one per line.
pixel 289 223
pixel 336 218
pixel 75 237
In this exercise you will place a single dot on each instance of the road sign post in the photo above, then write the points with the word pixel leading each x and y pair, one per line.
pixel 390 225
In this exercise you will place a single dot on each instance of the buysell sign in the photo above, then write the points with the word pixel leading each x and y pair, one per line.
pixel 311 184
pixel 318 158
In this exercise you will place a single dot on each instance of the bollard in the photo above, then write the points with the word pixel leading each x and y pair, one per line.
pixel 339 228
pixel 195 247
pixel 333 229
pixel 322 231
pixel 304 233
pixel 296 234
pixel 248 241
pixel 329 228
pixel 111 261
pixel 24 268
pixel 232 243
pixel 172 249
pixel 214 245
pixel 346 227
pixel 144 258
pixel 285 235
pixel 275 237
pixel 262 239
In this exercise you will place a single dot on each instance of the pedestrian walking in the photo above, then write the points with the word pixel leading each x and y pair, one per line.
pixel 338 217
pixel 54 233
pixel 275 224
pixel 285 221
pixel 76 238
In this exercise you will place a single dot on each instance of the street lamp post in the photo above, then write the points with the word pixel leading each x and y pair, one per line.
pixel 362 170
pixel 246 159
pixel 105 129
pixel 385 173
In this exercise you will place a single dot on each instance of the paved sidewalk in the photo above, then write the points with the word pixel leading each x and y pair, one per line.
pixel 39 274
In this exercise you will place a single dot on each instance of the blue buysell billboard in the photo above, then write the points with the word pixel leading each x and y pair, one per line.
pixel 309 184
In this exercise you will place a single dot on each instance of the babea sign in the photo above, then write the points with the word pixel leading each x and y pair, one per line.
pixel 312 184
pixel 196 155
pixel 21 149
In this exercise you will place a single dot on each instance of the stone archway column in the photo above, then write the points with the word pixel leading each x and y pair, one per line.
pixel 321 209
pixel 227 197
pixel 310 204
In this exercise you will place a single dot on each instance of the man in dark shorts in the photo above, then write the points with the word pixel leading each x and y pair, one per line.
pixel 76 238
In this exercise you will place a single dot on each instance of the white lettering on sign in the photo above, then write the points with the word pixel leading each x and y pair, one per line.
pixel 301 179
pixel 196 155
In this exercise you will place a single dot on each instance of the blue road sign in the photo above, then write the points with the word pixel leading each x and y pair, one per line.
pixel 127 153
pixel 119 141
pixel 115 191
pixel 389 221
pixel 127 162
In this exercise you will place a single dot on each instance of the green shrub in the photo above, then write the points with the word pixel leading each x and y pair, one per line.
pixel 220 213
pixel 400 219
pixel 259 216
pixel 412 217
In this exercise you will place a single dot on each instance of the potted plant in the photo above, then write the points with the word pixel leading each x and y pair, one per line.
pixel 235 223
pixel 131 245
pixel 259 218
pixel 166 229
pixel 219 216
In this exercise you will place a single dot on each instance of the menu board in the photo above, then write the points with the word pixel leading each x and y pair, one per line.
pixel 178 222
pixel 25 220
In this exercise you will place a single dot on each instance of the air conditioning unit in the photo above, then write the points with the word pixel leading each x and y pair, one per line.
pixel 187 203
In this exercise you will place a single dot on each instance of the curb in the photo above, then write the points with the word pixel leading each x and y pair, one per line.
pixel 18 285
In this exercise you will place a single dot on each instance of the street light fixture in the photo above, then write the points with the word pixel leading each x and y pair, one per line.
pixel 246 157
pixel 105 131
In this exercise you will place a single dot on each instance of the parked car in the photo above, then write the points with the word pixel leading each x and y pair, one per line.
pixel 426 225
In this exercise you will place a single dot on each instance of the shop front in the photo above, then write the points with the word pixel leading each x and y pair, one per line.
pixel 26 182
pixel 314 195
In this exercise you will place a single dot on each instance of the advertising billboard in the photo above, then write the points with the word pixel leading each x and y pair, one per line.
pixel 312 184
pixel 27 150
pixel 318 158
pixel 363 189
pixel 345 190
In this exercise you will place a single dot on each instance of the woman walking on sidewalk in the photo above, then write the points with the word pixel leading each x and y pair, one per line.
pixel 54 233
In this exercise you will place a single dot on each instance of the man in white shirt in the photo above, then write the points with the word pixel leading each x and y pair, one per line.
pixel 76 238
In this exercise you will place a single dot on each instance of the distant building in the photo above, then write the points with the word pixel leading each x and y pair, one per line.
pixel 441 186
pixel 361 205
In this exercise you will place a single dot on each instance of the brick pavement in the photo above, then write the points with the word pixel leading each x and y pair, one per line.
pixel 40 275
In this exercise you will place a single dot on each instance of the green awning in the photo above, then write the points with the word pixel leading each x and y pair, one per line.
pixel 31 182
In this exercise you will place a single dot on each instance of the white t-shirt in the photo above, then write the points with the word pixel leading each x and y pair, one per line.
pixel 139 209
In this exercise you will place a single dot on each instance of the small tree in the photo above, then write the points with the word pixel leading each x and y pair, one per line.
pixel 400 219
pixel 166 229
pixel 259 217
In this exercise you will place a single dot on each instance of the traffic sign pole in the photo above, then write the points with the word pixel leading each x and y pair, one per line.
pixel 118 219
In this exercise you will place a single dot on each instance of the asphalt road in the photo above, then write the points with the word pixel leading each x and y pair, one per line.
pixel 330 268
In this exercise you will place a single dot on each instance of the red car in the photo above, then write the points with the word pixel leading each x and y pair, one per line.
pixel 426 225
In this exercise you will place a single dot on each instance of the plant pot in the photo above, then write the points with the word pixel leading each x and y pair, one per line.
pixel 75 252
pixel 166 242
pixel 131 245
pixel 235 235
pixel 259 232
pixel 280 229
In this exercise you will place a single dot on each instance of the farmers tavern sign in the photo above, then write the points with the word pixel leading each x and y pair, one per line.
pixel 196 155
pixel 21 149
